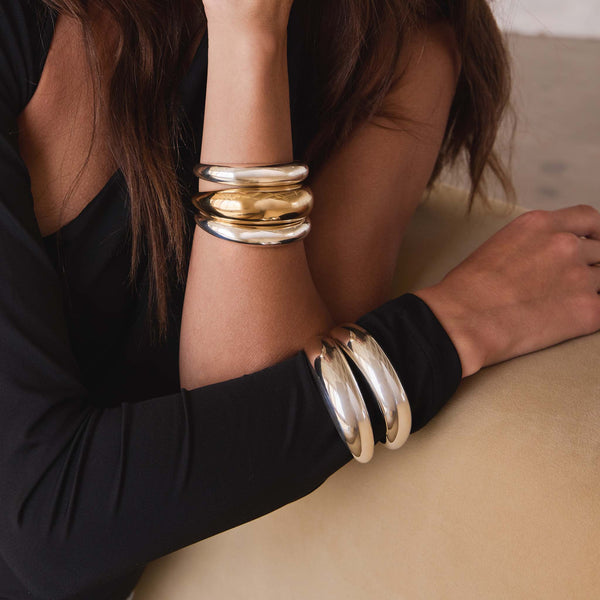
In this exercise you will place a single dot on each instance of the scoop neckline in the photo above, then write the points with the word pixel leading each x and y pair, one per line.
pixel 45 40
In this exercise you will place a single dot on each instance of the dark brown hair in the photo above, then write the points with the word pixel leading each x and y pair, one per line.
pixel 350 74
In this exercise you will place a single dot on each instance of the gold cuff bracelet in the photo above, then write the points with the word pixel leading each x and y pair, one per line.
pixel 273 211
pixel 277 206
pixel 241 222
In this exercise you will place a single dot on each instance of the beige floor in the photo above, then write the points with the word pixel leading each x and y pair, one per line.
pixel 556 159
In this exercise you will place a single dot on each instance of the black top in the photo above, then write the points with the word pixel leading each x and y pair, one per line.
pixel 105 462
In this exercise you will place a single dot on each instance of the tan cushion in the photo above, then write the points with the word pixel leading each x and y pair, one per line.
pixel 497 497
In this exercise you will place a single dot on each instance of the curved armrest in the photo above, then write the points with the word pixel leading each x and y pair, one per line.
pixel 497 497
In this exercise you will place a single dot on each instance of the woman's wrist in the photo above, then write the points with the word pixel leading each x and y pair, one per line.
pixel 461 327
pixel 260 41
pixel 270 18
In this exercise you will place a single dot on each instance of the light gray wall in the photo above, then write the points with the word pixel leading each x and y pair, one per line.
pixel 573 18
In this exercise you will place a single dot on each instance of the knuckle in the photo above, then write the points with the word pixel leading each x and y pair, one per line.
pixel 534 219
pixel 565 243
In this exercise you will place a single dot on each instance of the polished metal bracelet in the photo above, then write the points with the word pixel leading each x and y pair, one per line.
pixel 258 235
pixel 266 207
pixel 264 225
pixel 383 380
pixel 251 176
pixel 276 206
pixel 342 395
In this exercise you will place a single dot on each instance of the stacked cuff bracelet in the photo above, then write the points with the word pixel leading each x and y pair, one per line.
pixel 267 205
pixel 341 393
pixel 383 380
pixel 253 234
pixel 280 206
pixel 252 176
pixel 342 396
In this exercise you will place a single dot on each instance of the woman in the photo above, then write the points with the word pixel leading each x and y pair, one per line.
pixel 119 445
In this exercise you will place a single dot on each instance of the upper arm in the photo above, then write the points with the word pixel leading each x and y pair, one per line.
pixel 367 191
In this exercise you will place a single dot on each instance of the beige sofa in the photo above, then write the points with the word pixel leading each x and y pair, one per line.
pixel 498 497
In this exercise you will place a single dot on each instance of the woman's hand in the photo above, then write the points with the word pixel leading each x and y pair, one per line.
pixel 531 285
pixel 248 15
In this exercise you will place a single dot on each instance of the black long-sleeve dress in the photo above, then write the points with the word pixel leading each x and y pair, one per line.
pixel 106 463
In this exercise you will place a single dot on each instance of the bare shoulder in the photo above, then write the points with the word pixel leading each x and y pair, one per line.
pixel 432 48
pixel 428 70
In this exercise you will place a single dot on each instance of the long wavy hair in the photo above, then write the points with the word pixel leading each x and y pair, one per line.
pixel 350 74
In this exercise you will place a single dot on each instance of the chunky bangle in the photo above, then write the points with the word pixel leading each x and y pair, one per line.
pixel 244 176
pixel 264 225
pixel 275 211
pixel 259 235
pixel 383 380
pixel 271 206
pixel 341 395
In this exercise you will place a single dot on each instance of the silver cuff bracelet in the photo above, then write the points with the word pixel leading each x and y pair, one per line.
pixel 385 384
pixel 251 176
pixel 341 395
pixel 259 235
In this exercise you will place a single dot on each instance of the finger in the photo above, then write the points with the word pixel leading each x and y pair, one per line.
pixel 590 251
pixel 582 220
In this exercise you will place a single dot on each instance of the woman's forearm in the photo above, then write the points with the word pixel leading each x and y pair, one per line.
pixel 247 112
pixel 245 307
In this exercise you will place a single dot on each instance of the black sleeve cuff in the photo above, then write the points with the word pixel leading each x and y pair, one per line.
pixel 422 353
